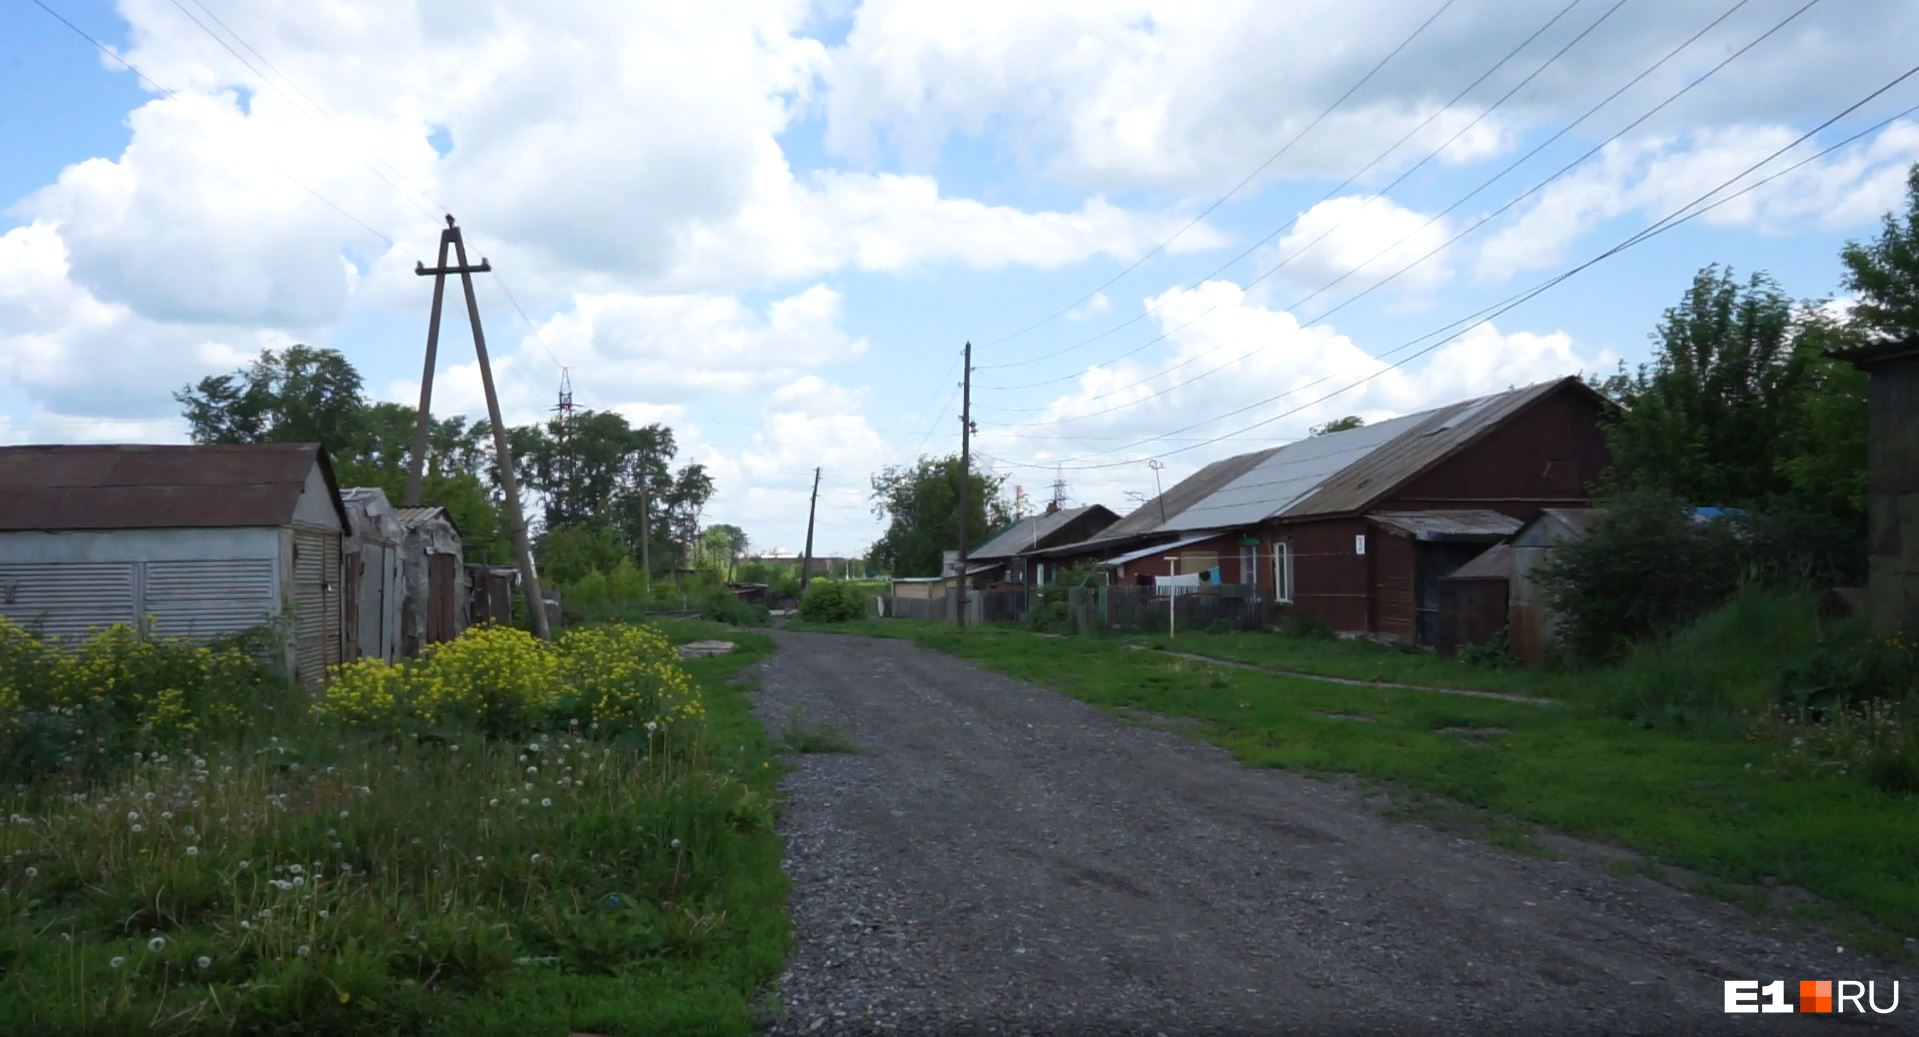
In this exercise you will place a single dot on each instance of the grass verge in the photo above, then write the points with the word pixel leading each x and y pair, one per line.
pixel 1719 799
pixel 326 879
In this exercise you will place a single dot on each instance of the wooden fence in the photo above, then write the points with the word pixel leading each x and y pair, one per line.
pixel 1102 610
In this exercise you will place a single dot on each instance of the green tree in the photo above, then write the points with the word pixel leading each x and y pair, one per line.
pixel 568 552
pixel 1350 421
pixel 920 504
pixel 1883 274
pixel 722 547
pixel 301 395
pixel 1705 420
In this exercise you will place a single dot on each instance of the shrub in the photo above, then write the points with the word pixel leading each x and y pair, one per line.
pixel 1643 570
pixel 723 606
pixel 1495 653
pixel 831 601
pixel 1307 626
pixel 1849 673
pixel 1051 607
pixel 1725 663
pixel 508 684
pixel 91 705
pixel 629 678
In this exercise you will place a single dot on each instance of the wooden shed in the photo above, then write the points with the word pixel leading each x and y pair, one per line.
pixel 434 573
pixel 1474 600
pixel 372 576
pixel 197 542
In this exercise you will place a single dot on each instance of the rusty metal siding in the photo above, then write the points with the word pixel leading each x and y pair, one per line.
pixel 207 599
pixel 316 604
pixel 97 487
pixel 67 599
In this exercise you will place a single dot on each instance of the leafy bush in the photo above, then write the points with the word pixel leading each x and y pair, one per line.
pixel 723 606
pixel 507 684
pixel 1843 674
pixel 87 707
pixel 1644 569
pixel 831 601
pixel 1724 665
pixel 1050 609
pixel 1307 626
pixel 1495 653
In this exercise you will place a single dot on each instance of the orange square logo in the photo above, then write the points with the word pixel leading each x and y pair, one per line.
pixel 1815 995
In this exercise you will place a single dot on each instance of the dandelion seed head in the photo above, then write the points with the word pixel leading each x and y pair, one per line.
pixel 117 961
pixel 303 950
pixel 203 961
pixel 157 944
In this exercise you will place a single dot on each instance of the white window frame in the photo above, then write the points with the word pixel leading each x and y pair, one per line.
pixel 1282 571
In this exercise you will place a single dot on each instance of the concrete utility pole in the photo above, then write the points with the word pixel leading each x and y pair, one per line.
pixel 966 464
pixel 806 561
pixel 503 454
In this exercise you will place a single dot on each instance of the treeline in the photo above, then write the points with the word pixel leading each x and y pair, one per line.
pixel 599 490
pixel 1741 408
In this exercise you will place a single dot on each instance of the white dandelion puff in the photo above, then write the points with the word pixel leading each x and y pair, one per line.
pixel 117 961
pixel 203 961
pixel 157 944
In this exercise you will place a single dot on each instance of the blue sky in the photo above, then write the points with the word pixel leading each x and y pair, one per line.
pixel 772 228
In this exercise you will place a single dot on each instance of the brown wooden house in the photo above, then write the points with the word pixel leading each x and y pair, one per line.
pixel 1359 527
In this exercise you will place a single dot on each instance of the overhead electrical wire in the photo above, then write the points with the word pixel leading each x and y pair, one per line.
pixel 1482 221
pixel 276 167
pixel 1676 218
pixel 1236 188
pixel 1342 185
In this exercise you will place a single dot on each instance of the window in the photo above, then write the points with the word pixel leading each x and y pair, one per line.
pixel 1249 564
pixel 1282 571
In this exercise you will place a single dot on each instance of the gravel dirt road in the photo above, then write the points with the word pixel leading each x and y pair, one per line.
pixel 1003 859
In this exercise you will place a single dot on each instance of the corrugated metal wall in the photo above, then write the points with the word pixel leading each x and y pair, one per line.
pixel 66 599
pixel 316 604
pixel 206 599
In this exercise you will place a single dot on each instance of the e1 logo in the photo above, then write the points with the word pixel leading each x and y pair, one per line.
pixel 1749 996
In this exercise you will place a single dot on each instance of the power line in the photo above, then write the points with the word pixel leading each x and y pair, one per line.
pixel 1672 220
pixel 371 162
pixel 1394 146
pixel 1482 221
pixel 417 199
pixel 940 411
pixel 1222 199
pixel 148 80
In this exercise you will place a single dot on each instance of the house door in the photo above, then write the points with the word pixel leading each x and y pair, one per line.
pixel 1431 561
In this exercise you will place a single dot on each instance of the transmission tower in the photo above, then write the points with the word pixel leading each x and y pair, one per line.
pixel 569 469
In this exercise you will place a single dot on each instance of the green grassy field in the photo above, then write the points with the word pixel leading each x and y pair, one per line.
pixel 1724 799
pixel 319 878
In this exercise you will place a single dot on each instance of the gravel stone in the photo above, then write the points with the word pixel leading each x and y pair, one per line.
pixel 1000 859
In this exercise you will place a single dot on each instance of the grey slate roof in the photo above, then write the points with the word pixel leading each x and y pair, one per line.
pixel 1021 535
pixel 1183 495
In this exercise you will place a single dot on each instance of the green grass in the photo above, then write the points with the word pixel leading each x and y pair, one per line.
pixel 422 887
pixel 1701 797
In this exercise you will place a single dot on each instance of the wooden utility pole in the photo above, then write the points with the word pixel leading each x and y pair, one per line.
pixel 966 464
pixel 646 522
pixel 503 454
pixel 806 561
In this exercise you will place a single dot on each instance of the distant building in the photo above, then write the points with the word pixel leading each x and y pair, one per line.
pixel 1002 559
pixel 1359 528
pixel 198 541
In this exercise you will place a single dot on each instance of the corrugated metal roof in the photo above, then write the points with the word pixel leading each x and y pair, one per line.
pixel 125 486
pixel 1147 518
pixel 1021 535
pixel 1333 474
pixel 1452 524
pixel 1148 552
pixel 1494 563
